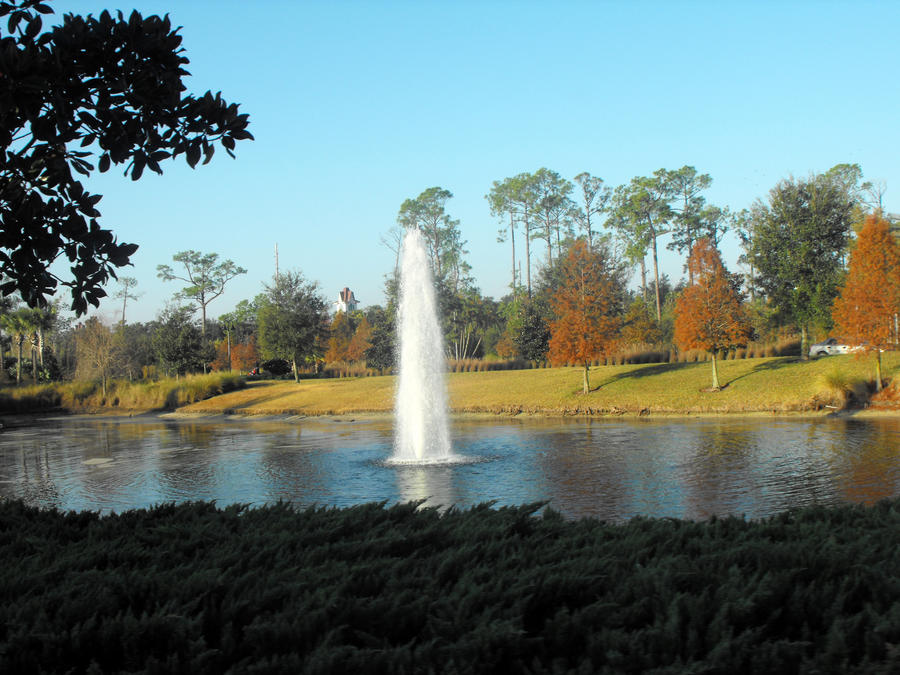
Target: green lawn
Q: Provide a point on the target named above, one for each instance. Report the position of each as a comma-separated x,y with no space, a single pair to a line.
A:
780,384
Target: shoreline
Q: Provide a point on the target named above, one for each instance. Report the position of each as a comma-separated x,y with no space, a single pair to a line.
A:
755,388
26,419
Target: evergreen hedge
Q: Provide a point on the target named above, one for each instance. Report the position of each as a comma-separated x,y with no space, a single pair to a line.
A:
197,589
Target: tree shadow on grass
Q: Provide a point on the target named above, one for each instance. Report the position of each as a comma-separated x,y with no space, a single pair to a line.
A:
655,369
660,368
767,366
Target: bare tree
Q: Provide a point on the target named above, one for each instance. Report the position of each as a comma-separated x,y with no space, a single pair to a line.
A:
124,293
96,351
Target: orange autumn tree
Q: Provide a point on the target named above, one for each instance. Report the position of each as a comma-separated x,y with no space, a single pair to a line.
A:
866,307
709,314
360,342
339,342
586,306
244,356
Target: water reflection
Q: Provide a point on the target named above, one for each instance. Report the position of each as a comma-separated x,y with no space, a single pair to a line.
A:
611,469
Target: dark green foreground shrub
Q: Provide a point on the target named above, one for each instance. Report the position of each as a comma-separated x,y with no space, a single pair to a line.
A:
196,589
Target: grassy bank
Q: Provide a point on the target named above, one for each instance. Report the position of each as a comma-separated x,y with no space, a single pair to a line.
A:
121,395
196,589
751,385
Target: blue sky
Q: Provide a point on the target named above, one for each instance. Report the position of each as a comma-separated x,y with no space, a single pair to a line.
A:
357,106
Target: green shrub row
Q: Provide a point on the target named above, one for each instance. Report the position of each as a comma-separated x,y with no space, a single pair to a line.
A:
637,354
375,589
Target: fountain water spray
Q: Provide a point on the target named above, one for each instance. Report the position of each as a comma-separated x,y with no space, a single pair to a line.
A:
421,431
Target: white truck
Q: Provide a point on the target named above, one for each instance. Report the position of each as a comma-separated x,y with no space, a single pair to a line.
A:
831,346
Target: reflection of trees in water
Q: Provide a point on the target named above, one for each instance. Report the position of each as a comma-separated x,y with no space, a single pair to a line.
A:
193,434
181,458
584,471
610,469
721,477
288,471
865,459
323,461
37,485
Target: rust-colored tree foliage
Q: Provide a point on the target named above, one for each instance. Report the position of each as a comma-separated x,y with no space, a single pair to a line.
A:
709,314
339,342
586,306
865,312
360,342
244,356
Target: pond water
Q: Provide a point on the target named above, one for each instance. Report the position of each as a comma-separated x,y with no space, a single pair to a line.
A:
612,469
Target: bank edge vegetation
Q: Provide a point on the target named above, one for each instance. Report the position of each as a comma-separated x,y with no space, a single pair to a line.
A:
375,589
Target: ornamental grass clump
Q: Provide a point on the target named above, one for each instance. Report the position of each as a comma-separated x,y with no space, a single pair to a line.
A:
838,389
142,395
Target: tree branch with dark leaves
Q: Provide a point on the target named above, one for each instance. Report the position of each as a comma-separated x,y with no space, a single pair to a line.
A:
105,87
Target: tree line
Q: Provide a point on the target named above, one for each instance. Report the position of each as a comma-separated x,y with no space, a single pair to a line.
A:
121,79
799,247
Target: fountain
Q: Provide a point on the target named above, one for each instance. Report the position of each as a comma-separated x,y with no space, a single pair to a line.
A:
421,432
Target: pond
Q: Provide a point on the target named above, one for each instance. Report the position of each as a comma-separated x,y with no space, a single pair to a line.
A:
612,469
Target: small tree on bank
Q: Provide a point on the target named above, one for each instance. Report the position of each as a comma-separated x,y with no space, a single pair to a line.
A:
586,306
205,277
97,350
178,342
292,321
867,305
709,314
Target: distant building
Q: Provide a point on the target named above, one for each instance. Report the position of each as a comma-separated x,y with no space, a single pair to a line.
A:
346,302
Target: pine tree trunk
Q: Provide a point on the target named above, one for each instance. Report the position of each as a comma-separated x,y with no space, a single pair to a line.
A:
656,282
296,370
528,254
512,239
643,280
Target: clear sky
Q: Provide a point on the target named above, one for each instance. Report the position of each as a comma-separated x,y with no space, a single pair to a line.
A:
357,106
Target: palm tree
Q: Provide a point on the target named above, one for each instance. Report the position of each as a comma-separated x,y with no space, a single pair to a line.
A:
18,324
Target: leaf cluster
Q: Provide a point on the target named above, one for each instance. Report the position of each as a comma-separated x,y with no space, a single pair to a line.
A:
799,239
194,588
105,86
292,320
587,307
869,300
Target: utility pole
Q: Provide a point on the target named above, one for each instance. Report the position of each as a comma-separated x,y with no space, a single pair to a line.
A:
276,262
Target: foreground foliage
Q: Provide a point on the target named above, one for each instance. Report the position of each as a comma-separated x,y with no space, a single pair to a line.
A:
196,589
105,86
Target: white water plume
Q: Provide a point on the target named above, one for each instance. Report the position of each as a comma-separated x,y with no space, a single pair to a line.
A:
421,432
